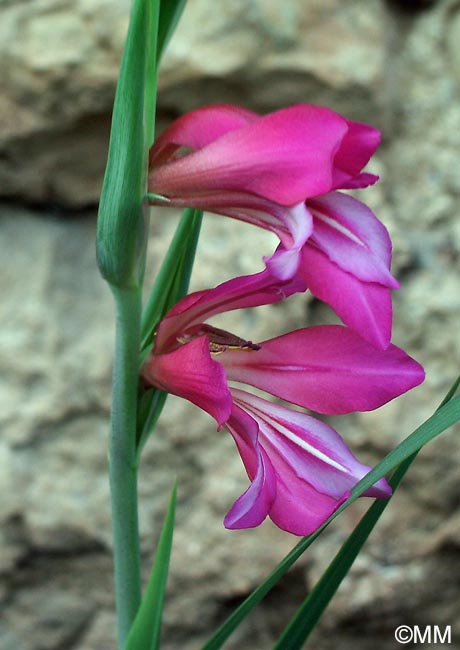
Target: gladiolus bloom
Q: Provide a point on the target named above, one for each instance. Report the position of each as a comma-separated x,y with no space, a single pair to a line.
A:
280,172
300,469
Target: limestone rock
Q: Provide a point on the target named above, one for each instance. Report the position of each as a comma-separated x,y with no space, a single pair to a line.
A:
57,334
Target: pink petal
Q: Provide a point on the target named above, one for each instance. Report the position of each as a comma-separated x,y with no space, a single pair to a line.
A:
301,512
199,128
292,224
356,149
328,369
285,157
246,291
352,237
312,450
284,263
359,182
253,506
292,504
364,306
191,373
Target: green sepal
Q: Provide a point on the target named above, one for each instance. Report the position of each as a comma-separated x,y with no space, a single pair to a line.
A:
158,197
444,418
123,210
146,629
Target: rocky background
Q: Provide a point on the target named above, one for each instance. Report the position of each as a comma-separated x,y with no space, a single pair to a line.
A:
394,64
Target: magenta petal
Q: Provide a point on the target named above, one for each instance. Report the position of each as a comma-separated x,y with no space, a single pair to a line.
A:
359,182
200,127
364,306
191,373
328,369
246,291
284,263
285,157
253,506
358,145
306,449
292,224
301,512
352,237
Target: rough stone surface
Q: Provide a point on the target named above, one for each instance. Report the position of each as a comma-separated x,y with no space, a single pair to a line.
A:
59,65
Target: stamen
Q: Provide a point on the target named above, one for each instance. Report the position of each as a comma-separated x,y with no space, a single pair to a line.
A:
219,340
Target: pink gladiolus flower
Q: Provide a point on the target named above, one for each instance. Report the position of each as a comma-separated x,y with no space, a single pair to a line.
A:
300,469
280,172
284,157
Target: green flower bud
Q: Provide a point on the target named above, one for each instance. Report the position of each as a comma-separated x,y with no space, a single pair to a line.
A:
122,221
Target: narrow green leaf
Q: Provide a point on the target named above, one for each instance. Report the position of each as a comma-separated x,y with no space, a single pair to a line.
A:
445,417
121,235
171,285
170,13
173,279
151,406
453,389
151,78
312,608
441,420
146,629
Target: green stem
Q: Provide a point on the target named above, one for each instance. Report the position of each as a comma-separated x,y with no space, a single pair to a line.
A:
122,460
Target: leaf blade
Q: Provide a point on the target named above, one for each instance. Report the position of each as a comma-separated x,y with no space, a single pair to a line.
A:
146,629
170,13
173,278
171,285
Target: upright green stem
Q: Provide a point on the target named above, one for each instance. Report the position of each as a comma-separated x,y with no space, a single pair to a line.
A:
122,460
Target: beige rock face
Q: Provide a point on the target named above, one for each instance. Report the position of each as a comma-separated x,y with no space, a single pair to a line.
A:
59,63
